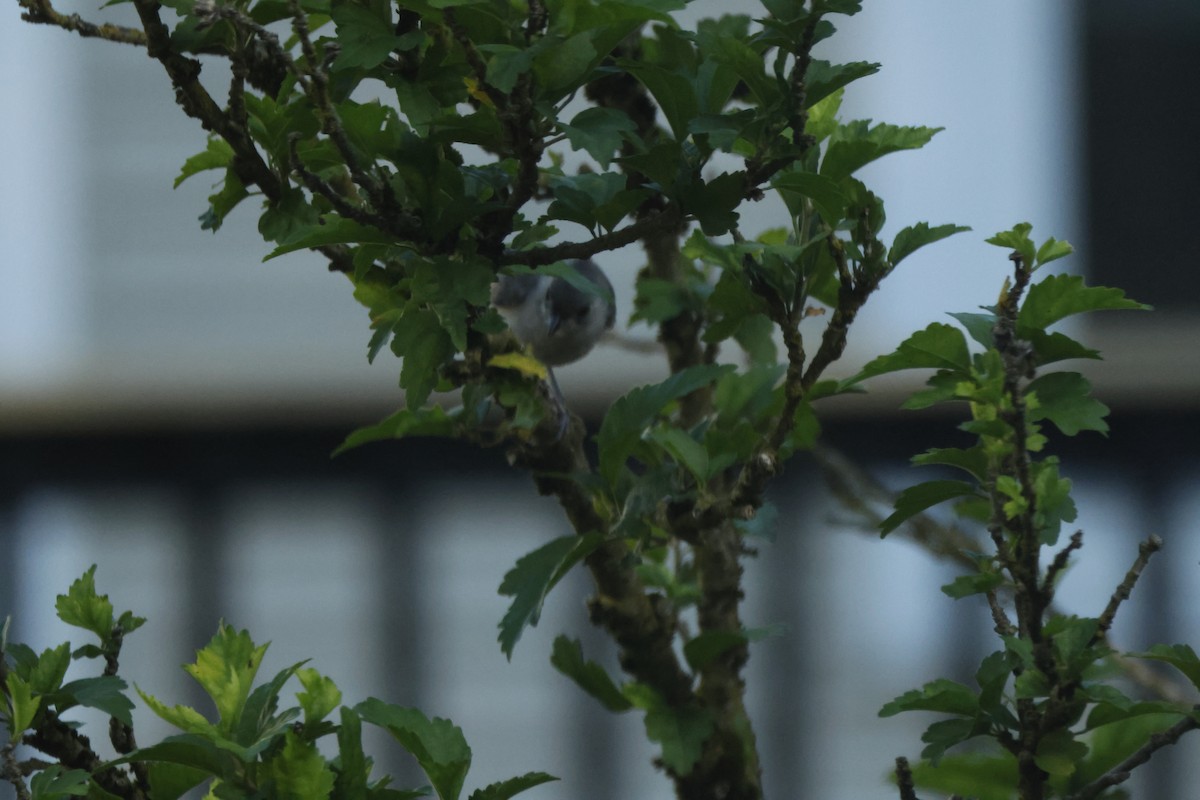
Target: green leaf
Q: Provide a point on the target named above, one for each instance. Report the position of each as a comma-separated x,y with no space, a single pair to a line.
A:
172,781
825,193
217,155
331,229
353,766
942,695
967,585
700,650
1058,753
1017,239
916,499
944,734
425,346
973,460
823,79
191,750
939,346
365,33
629,416
684,450
81,607
1051,250
1065,399
429,421
437,744
714,202
502,790
1051,347
22,705
984,777
599,131
225,669
534,575
567,658
856,144
320,696
1112,744
47,675
1181,656
106,693
681,731
298,771
1059,296
914,237
673,91
56,781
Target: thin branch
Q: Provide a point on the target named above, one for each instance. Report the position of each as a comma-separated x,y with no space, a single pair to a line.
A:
1003,625
904,779
43,13
1121,773
1145,550
538,256
1060,563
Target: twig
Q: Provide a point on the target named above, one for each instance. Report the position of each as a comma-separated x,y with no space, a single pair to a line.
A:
1004,626
1120,773
43,13
904,779
538,256
1060,563
1146,549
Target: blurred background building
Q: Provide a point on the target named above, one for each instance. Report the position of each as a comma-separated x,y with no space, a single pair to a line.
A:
168,404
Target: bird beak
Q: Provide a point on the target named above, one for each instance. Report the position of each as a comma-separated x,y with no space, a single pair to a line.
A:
553,321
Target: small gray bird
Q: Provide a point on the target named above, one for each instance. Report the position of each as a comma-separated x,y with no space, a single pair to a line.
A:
554,319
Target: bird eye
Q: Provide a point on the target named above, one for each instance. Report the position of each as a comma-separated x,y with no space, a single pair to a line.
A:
582,313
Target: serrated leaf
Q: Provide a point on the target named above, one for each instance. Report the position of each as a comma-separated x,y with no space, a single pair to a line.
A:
1059,296
503,790
1065,399
1059,753
1051,250
1181,656
366,37
567,658
914,237
978,776
684,450
22,705
939,346
320,696
218,154
942,695
822,79
299,771
967,585
1051,347
197,752
944,734
674,93
423,343
521,362
225,669
56,781
81,607
353,766
629,416
682,734
856,144
428,421
46,676
437,744
599,132
916,499
825,193
701,649
973,460
1017,239
532,578
331,229
105,692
